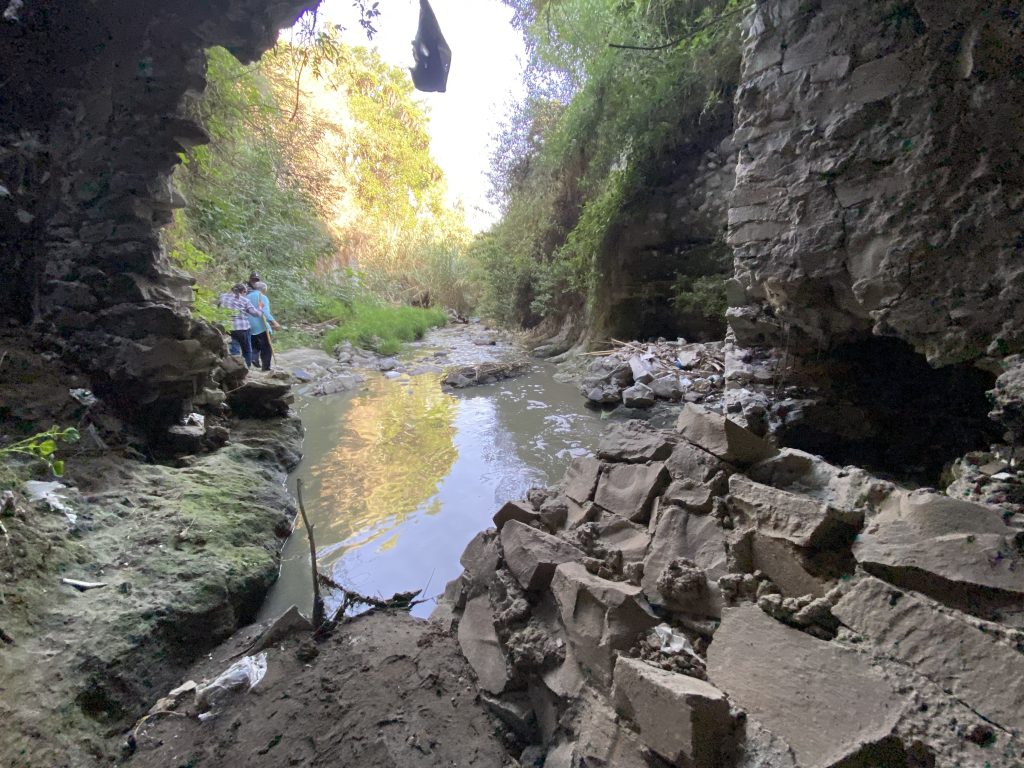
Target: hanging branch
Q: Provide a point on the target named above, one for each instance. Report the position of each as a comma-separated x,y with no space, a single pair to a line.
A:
687,36
318,601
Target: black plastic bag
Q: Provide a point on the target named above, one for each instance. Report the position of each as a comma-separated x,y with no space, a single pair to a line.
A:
431,53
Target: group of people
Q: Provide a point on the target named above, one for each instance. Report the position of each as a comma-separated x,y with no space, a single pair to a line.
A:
251,321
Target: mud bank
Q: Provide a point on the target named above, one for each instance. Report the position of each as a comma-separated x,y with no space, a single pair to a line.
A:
383,690
185,551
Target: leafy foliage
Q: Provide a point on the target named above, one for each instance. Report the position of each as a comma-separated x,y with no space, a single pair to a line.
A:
319,177
42,447
383,328
598,128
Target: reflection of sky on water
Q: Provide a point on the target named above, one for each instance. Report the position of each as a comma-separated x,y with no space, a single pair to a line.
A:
401,475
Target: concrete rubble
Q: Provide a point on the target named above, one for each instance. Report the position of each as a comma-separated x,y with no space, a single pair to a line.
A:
820,617
638,375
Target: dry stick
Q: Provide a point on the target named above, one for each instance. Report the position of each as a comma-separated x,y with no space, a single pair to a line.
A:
318,601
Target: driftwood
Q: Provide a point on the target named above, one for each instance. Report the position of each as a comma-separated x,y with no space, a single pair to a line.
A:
400,601
318,601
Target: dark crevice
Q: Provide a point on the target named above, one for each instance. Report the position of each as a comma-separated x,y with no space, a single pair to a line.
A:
882,407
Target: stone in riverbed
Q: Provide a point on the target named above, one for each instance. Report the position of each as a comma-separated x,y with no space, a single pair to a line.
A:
641,370
515,510
533,555
823,700
600,616
634,442
683,719
722,437
978,669
479,642
691,464
638,396
667,387
604,742
628,489
618,534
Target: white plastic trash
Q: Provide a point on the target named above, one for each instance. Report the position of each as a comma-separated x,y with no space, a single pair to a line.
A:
673,642
241,676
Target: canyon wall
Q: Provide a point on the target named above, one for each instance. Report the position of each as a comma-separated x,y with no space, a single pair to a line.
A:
93,115
879,182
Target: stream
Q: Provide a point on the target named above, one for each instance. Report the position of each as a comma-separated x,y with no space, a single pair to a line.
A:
400,474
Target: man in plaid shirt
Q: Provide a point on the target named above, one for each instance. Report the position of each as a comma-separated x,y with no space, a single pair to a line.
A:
240,329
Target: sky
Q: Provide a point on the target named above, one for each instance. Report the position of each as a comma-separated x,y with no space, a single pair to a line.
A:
485,76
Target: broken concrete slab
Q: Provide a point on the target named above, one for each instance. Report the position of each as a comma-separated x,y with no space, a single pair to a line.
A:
696,497
843,488
515,711
533,555
667,387
634,442
603,742
957,552
565,680
515,510
780,561
480,560
683,719
580,479
823,700
617,533
799,519
682,534
689,463
628,489
977,668
479,643
600,616
722,437
554,512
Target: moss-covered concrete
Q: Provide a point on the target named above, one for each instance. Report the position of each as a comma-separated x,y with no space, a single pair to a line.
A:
187,554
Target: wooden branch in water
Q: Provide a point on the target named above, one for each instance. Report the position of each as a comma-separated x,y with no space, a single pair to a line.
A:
318,601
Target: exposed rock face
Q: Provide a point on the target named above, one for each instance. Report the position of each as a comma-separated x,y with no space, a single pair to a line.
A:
878,189
676,230
90,131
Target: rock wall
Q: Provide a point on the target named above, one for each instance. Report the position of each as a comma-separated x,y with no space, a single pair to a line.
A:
880,180
93,114
677,228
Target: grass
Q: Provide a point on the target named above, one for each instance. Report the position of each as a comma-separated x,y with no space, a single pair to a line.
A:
383,327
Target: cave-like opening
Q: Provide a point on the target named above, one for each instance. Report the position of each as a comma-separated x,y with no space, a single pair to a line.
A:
883,407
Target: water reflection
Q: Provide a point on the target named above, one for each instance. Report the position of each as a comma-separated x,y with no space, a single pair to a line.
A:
400,476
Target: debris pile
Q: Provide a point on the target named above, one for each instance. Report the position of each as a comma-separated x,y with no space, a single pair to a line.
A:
698,597
638,375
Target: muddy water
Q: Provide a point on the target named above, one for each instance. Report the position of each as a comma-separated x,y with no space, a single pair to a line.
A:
401,474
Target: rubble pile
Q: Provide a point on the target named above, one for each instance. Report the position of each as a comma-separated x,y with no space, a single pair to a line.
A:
638,375
697,597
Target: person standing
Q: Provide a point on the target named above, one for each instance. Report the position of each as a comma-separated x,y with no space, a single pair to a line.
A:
261,326
242,311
